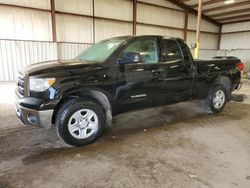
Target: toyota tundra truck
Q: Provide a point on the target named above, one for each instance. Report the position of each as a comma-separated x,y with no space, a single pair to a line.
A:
80,96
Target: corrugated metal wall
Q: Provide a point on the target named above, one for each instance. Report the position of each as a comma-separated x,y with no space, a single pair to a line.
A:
235,41
67,50
207,40
153,15
24,24
29,32
121,10
15,54
74,29
231,39
147,14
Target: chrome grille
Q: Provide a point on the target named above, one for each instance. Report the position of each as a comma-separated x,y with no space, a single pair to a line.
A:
20,84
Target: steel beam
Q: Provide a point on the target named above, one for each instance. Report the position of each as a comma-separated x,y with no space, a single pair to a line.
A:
186,25
53,20
134,16
219,38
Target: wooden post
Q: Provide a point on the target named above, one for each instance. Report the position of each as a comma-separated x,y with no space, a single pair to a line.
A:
198,27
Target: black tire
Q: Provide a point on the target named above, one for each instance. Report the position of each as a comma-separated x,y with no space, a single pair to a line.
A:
208,104
64,115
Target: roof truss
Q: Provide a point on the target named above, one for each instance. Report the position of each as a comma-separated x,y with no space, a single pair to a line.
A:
218,12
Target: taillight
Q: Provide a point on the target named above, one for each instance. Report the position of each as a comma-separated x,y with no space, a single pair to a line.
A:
240,66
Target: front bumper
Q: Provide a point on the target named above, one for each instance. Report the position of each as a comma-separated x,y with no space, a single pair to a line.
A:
34,117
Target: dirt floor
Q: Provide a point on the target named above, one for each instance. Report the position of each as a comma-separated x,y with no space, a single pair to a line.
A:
172,146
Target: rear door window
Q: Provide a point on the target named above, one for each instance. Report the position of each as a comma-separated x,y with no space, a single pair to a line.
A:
172,51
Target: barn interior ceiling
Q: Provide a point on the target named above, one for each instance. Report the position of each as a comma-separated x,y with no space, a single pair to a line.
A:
220,11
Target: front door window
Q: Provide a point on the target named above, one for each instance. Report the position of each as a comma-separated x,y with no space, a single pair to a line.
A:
146,48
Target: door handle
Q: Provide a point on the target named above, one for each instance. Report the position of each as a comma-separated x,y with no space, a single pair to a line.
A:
157,72
174,66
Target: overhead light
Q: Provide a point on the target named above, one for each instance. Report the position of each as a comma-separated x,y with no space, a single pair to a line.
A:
229,1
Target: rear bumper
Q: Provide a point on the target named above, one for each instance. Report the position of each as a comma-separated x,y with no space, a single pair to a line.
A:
238,87
34,117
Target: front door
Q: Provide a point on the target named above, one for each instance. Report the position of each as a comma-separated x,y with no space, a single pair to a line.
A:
139,85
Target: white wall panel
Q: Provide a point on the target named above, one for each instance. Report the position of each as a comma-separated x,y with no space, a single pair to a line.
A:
205,25
235,41
164,3
208,26
150,30
244,55
19,23
43,4
192,20
236,44
190,38
7,22
15,55
75,6
207,41
159,16
74,29
243,26
70,50
106,29
205,54
118,9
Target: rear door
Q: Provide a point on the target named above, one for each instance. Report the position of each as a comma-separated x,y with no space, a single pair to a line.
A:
177,71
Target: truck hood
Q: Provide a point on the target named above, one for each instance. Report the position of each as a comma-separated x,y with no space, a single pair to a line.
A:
60,66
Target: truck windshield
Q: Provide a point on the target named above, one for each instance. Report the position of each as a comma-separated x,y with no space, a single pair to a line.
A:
100,51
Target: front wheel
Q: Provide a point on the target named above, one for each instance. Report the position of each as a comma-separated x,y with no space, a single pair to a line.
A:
80,122
216,100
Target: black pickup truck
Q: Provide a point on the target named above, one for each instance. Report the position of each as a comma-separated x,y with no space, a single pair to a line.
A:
81,96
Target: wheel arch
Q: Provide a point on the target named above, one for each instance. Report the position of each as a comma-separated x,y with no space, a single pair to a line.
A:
98,96
225,82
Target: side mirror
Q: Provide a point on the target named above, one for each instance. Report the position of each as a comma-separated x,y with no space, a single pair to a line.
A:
130,57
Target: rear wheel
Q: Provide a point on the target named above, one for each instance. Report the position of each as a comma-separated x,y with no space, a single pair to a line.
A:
80,122
216,100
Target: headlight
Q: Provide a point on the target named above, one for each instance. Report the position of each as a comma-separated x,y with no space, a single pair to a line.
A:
41,84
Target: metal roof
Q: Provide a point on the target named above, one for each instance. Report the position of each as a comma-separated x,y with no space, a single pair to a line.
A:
219,11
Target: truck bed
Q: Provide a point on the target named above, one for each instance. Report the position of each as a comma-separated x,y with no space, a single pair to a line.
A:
218,60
